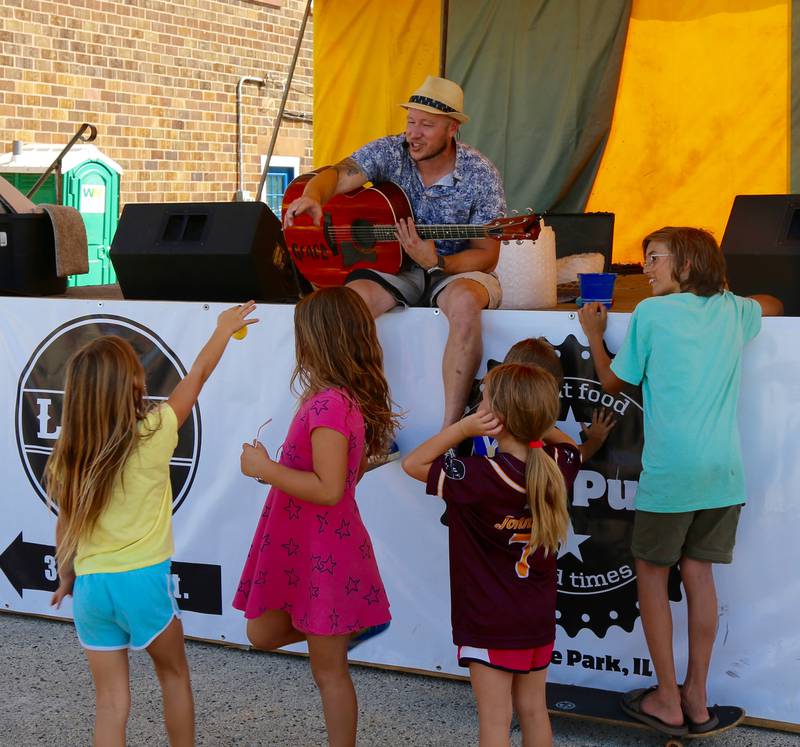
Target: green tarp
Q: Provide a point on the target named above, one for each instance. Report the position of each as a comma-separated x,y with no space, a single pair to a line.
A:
547,71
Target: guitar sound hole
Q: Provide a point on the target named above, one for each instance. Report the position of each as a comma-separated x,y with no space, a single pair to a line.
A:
363,235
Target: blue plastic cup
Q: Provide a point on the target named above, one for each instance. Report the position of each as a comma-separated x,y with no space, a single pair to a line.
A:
597,287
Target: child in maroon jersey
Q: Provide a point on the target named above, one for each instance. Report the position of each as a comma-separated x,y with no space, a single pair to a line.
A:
507,515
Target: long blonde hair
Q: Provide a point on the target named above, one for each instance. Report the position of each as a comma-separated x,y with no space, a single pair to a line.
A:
525,398
103,402
336,345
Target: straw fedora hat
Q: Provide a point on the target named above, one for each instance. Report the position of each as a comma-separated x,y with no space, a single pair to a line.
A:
439,96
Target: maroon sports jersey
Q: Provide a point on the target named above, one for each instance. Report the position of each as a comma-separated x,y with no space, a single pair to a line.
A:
501,595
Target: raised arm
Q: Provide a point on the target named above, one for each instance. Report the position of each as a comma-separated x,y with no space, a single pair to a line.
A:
345,176
188,389
418,463
593,318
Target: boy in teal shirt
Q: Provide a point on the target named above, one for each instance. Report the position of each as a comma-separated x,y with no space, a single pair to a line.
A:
684,346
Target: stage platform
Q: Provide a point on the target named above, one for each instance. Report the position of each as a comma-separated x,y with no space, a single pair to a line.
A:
628,291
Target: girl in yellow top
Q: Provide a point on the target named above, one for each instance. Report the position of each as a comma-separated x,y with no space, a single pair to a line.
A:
109,476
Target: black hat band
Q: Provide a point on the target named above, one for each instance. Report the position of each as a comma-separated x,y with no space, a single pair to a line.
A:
433,103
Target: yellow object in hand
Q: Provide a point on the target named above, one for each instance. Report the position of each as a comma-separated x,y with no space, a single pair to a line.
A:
240,334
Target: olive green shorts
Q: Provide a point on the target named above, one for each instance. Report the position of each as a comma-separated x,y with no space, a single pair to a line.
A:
708,535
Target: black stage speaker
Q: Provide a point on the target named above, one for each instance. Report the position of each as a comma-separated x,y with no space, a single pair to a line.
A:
203,251
28,256
762,248
581,233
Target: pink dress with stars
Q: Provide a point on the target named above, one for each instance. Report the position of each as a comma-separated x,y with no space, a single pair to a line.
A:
316,562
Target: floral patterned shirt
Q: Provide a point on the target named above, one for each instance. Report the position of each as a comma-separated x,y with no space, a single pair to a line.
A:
471,194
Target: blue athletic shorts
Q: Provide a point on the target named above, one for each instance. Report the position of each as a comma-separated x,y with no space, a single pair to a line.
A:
129,609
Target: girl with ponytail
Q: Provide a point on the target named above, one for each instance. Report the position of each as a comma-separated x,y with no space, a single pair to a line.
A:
507,516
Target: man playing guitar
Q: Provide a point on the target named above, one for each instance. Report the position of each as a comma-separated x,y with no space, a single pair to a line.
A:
446,182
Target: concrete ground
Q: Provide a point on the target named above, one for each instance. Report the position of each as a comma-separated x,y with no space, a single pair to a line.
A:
248,698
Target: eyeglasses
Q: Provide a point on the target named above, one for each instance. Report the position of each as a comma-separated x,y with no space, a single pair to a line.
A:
650,259
256,440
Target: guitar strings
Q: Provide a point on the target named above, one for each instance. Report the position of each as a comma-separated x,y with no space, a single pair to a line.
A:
426,232
386,232
358,231
424,228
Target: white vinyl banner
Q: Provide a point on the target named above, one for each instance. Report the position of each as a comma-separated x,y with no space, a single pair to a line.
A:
216,509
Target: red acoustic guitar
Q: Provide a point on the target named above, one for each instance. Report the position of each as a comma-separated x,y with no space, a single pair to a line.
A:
358,231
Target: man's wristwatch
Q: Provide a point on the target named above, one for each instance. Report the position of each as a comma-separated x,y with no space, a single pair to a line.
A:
439,264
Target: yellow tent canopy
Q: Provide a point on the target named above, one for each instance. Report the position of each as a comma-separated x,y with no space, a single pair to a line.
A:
703,109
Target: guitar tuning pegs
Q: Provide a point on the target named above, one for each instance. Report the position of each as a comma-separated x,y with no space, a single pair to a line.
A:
515,212
502,214
529,210
519,243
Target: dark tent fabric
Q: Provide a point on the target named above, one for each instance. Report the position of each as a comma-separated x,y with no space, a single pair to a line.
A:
547,71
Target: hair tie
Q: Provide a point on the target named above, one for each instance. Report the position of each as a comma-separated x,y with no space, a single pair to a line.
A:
536,444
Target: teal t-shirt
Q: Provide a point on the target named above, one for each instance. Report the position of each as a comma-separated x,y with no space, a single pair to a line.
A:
686,352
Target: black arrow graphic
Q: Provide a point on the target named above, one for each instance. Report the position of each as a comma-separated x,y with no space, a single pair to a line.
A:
28,565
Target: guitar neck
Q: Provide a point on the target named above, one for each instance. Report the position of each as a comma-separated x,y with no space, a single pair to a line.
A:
451,231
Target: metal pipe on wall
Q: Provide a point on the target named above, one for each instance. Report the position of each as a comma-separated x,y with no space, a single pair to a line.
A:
241,195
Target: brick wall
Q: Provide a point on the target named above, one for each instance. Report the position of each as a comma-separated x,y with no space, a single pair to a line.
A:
158,80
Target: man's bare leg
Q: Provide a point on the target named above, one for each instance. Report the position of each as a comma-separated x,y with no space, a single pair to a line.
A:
377,298
462,302
701,599
665,702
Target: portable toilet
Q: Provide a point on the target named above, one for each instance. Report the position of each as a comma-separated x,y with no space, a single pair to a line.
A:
89,182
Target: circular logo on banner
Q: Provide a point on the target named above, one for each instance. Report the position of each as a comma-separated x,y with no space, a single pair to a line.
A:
40,394
596,572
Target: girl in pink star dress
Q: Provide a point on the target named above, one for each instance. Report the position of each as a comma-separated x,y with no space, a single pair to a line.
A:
311,573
